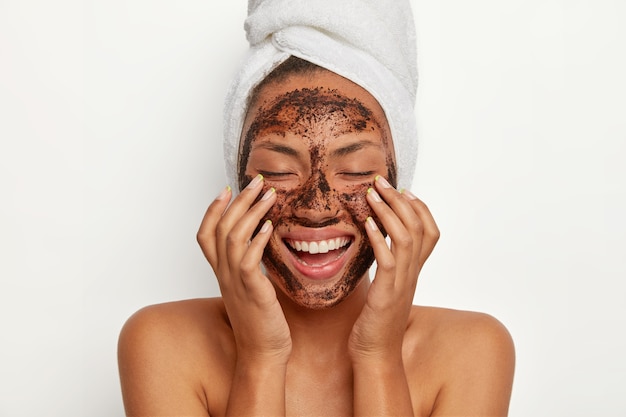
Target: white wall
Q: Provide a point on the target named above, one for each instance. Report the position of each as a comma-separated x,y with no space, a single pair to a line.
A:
110,126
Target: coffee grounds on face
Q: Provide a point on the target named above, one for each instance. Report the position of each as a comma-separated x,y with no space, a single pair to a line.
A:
304,112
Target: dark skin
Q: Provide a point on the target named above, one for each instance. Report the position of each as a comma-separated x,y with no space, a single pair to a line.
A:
260,349
306,114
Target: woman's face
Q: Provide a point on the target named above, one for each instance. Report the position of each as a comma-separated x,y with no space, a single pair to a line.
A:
319,140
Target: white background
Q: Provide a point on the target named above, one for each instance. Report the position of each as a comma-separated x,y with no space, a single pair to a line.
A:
110,150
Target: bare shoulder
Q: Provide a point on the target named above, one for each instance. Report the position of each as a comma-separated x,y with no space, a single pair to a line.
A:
471,356
171,353
195,314
174,326
458,330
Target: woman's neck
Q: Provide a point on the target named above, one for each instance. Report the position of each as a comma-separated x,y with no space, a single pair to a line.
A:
324,331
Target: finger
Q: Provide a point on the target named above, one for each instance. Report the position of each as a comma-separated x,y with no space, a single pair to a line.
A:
206,232
400,206
240,205
239,236
385,261
431,231
402,241
415,216
254,282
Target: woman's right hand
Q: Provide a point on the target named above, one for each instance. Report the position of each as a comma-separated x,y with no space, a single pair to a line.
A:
226,238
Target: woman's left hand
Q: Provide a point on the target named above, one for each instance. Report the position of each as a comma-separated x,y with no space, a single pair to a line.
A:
379,330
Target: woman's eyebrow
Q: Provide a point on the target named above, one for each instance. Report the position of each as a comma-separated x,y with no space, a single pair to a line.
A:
353,147
284,149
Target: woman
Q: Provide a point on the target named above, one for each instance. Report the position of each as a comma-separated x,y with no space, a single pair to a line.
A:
300,329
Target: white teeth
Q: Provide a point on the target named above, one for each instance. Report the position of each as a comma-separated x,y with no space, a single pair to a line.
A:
313,248
322,246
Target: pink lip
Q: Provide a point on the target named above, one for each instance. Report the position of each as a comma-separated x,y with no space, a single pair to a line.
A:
318,272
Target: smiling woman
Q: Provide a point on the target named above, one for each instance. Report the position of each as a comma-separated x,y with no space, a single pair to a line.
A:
321,151
300,328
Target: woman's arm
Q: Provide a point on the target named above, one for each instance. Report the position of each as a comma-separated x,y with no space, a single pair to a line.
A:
380,382
260,330
380,388
258,388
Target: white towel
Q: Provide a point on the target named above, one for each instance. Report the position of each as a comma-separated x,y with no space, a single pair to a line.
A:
370,42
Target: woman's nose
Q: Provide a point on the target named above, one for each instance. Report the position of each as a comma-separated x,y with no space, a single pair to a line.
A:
314,201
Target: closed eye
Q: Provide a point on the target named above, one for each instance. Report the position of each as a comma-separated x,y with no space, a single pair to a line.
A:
275,175
358,174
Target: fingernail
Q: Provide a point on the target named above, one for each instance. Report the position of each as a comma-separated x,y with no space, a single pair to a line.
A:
371,223
408,194
382,181
268,194
266,226
374,195
224,193
256,181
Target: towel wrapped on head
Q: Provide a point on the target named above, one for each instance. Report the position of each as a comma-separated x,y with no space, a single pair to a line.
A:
370,42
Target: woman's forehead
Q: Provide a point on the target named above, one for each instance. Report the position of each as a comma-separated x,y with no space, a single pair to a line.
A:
313,111
314,95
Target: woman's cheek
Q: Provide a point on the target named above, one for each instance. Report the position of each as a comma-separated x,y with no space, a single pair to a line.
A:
277,211
355,203
359,209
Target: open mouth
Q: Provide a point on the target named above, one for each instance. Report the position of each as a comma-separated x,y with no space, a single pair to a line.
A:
318,253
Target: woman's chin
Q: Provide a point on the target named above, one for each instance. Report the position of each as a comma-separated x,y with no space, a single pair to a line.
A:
319,294
319,281
317,298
